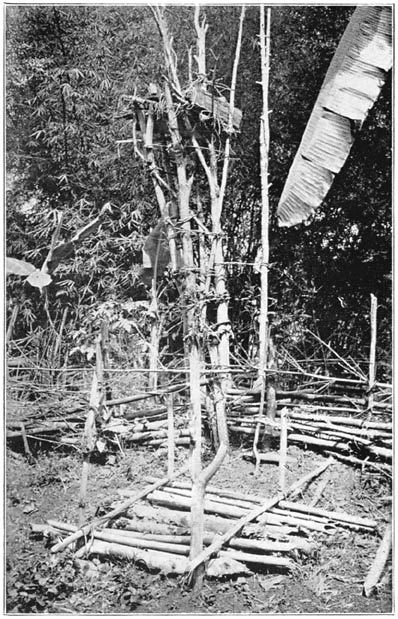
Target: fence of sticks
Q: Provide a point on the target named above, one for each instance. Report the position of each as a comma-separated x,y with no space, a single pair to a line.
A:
340,416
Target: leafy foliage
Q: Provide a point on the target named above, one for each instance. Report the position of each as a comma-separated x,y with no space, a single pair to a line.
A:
36,588
70,71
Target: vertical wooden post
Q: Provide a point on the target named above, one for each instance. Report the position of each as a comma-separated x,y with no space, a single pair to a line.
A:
265,37
283,451
372,352
90,431
264,155
170,436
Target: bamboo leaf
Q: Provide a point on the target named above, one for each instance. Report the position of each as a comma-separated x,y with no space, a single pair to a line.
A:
351,86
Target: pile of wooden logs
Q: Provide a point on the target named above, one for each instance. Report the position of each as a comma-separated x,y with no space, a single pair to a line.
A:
335,423
146,426
159,534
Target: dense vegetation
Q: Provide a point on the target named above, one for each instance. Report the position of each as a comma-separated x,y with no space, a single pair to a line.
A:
69,71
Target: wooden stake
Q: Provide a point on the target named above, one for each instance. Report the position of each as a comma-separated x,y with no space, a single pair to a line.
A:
379,562
90,434
283,451
170,436
372,352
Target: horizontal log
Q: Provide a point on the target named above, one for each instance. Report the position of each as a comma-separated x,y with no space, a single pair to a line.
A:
381,467
153,528
236,542
150,394
180,545
350,421
217,524
184,502
286,505
244,557
319,442
180,442
149,426
149,412
45,428
365,523
168,563
383,452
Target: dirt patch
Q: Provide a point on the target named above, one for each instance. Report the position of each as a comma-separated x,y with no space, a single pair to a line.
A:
329,582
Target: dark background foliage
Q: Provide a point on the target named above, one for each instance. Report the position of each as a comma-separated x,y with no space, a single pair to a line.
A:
69,71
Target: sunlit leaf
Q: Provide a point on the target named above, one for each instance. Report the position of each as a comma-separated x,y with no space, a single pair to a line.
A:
39,279
18,267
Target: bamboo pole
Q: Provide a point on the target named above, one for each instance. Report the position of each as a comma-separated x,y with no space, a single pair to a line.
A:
372,352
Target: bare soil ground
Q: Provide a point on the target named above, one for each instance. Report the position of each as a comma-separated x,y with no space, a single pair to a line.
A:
329,582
